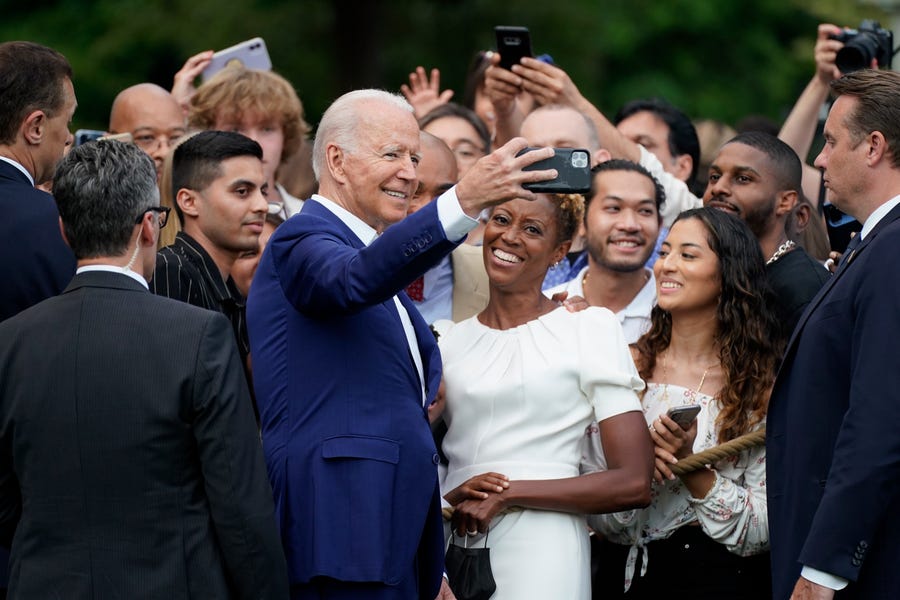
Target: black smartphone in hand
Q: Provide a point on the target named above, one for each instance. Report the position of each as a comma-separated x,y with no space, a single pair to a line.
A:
573,167
684,415
513,43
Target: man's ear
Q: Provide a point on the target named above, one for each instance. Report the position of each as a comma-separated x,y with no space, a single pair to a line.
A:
785,202
600,156
148,234
682,167
188,201
33,127
335,162
877,148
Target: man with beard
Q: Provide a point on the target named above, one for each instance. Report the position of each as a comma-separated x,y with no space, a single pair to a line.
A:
220,199
622,222
756,177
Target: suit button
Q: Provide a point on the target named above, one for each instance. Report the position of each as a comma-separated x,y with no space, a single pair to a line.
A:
420,243
435,459
855,562
863,545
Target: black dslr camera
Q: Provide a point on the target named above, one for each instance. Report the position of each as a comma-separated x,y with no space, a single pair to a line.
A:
862,45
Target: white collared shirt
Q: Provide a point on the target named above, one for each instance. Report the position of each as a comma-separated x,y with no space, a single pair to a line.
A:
877,215
634,318
113,269
456,225
19,167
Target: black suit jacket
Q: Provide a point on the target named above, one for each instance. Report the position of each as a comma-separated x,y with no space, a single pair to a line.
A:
833,447
36,262
128,445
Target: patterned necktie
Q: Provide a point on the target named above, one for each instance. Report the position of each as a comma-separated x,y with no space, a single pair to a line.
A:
416,290
850,250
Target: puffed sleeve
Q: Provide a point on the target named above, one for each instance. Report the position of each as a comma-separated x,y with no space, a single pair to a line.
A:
609,378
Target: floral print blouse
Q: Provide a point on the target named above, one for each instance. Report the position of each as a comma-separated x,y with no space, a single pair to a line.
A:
733,513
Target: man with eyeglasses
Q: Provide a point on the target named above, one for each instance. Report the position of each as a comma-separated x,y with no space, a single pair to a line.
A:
131,465
152,117
220,198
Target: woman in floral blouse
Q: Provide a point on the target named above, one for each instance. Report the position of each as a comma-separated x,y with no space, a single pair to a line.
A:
705,534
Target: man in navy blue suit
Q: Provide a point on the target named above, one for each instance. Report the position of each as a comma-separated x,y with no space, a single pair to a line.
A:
344,366
833,450
37,102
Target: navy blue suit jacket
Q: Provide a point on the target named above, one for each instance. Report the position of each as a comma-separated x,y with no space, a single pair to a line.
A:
36,263
346,437
833,446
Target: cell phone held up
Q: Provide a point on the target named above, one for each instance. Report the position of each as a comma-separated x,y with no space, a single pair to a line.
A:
684,415
251,54
513,43
573,168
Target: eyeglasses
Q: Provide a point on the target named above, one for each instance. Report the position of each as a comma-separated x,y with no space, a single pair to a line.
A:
162,215
150,142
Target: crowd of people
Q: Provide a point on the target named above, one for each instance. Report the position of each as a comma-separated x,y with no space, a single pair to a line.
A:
374,364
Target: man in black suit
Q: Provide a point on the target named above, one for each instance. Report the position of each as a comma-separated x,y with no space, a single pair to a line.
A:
130,464
833,451
37,102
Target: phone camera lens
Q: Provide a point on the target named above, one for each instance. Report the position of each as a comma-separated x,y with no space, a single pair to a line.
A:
579,160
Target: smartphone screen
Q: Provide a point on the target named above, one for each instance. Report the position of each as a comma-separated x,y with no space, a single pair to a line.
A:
513,43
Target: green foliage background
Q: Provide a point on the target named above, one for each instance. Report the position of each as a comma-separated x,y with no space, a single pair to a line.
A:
720,60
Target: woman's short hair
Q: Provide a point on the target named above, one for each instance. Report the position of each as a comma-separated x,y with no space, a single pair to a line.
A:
569,213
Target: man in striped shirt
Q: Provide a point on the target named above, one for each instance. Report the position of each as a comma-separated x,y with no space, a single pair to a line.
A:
220,199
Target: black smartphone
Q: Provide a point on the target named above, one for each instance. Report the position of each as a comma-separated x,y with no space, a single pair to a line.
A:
573,168
512,43
684,415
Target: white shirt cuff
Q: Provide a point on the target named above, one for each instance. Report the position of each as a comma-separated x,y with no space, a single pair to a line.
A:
824,579
455,222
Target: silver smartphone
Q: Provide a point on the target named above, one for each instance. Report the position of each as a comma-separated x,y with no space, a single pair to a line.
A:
251,54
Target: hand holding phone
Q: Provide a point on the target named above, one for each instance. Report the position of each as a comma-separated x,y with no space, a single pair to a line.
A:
684,415
573,167
513,43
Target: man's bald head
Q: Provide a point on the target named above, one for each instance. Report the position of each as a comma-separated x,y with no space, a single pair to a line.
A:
151,115
437,171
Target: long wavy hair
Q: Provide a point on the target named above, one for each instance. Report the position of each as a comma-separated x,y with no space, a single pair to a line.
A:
746,333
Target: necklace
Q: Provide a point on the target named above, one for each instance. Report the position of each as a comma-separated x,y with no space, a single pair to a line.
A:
694,392
782,250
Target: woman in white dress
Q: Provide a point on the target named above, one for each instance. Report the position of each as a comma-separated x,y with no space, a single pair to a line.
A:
713,343
524,379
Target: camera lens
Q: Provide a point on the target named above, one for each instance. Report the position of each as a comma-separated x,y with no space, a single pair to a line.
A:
857,53
579,160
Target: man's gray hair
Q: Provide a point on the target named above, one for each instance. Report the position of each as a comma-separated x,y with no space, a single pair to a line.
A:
101,189
340,122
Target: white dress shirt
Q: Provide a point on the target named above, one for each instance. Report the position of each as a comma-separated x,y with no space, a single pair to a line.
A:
456,225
